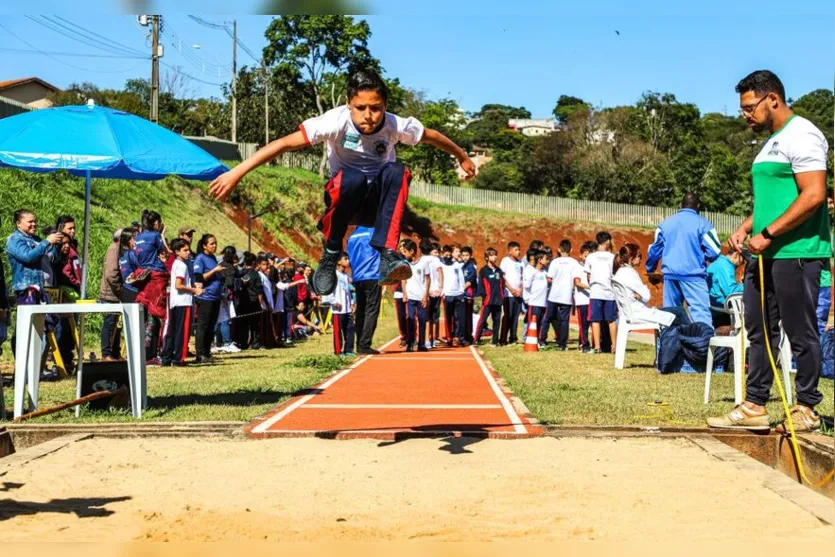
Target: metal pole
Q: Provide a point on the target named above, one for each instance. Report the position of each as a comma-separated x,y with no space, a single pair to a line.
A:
266,107
85,254
234,80
249,232
155,69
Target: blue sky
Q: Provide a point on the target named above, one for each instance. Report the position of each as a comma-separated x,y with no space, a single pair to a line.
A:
524,54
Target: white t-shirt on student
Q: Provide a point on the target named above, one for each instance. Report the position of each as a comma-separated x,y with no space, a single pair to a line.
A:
453,279
341,296
512,270
349,148
581,295
416,284
267,286
599,267
435,266
536,287
526,275
176,298
562,271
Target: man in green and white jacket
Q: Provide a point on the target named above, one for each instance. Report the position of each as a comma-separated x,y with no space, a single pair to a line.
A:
790,231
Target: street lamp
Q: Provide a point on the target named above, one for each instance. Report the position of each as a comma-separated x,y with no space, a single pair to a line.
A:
753,143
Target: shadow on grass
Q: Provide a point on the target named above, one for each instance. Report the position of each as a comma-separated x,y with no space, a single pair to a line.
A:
235,398
82,507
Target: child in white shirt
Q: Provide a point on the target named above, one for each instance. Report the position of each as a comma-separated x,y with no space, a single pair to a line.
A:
178,322
604,311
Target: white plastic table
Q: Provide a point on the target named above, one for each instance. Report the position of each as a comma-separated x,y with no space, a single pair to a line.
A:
29,347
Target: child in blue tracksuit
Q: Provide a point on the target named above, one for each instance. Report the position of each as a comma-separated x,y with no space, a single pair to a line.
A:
470,287
721,283
491,287
684,242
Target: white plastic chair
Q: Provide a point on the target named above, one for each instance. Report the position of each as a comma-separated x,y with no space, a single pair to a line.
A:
627,322
738,343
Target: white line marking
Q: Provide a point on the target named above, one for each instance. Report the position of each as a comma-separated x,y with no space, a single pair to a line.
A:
396,431
403,406
413,358
518,425
269,422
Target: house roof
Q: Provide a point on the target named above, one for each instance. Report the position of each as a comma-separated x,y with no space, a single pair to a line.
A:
24,80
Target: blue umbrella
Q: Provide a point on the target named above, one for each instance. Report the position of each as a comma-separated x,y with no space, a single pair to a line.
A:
98,142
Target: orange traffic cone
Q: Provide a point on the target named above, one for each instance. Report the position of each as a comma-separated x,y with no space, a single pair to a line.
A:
531,337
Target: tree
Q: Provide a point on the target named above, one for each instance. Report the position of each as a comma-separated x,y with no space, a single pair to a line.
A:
499,176
818,106
566,106
317,49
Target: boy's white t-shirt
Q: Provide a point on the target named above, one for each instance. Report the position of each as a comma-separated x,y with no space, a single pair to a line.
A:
176,298
416,284
513,271
536,287
562,272
267,286
599,267
342,294
526,275
581,295
435,266
453,279
349,148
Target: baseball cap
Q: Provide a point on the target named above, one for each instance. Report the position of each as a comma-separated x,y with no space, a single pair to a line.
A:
185,230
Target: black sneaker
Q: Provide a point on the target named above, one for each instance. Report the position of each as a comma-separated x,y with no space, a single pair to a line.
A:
372,351
393,268
324,279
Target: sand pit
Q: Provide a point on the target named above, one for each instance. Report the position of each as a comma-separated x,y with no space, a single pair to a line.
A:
463,490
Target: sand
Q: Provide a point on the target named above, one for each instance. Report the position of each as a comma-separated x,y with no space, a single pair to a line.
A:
418,489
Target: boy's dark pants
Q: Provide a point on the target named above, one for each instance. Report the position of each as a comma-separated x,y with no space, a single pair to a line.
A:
495,314
455,316
416,319
177,335
583,325
380,202
369,295
343,333
400,307
510,320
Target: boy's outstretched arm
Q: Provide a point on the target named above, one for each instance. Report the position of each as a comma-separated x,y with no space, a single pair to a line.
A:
226,182
439,141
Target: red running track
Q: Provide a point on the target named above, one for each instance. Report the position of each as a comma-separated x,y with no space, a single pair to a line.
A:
446,391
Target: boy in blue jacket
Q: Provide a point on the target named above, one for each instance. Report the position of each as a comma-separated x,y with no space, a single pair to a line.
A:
686,242
721,281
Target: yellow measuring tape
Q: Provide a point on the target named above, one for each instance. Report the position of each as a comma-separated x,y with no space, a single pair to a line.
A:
780,388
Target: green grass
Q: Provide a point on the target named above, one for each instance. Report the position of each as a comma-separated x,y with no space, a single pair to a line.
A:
571,388
242,387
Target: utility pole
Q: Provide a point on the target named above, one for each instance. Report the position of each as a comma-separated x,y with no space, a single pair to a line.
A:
155,69
234,80
266,106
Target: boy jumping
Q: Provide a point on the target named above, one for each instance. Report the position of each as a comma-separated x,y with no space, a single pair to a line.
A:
366,184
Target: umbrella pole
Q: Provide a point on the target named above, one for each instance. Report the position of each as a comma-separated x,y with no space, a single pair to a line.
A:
84,274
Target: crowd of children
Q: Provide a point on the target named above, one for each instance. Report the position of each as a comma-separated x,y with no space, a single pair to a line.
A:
539,285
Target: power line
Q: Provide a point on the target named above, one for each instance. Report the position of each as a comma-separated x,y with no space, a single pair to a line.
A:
244,47
73,54
175,68
39,51
224,27
208,24
190,56
94,36
83,40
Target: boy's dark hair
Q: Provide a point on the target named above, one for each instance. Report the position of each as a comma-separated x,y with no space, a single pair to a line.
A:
603,237
446,248
177,244
425,246
548,250
124,240
588,246
436,245
467,249
565,246
536,245
511,245
691,200
261,258
539,255
762,82
409,245
249,259
62,220
489,252
149,218
532,254
49,230
20,213
229,254
367,80
343,255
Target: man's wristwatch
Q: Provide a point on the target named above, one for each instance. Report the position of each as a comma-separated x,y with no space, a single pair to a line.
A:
766,234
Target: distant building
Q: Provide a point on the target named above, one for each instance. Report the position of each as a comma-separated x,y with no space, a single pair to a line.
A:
479,155
31,91
533,127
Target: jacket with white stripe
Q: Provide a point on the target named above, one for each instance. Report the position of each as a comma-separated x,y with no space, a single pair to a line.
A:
685,243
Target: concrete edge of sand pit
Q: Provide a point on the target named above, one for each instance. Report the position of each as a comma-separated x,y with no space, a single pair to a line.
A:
810,501
41,450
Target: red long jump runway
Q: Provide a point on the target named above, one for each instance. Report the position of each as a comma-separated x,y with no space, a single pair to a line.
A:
446,391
